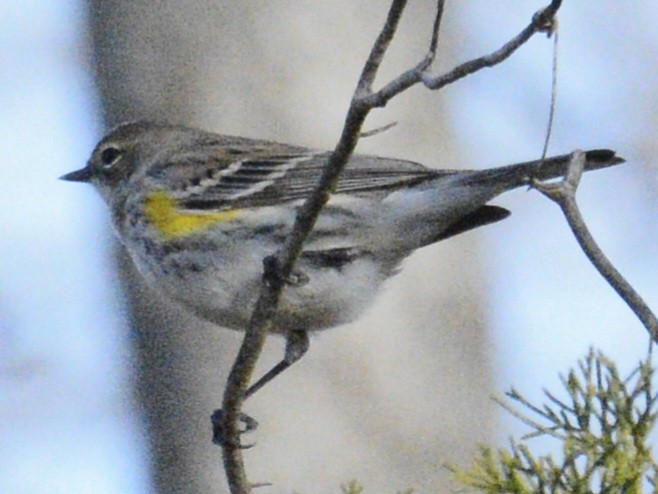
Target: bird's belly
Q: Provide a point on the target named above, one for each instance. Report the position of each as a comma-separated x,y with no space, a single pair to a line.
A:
222,286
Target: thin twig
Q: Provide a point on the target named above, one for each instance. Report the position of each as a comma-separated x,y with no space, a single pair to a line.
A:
555,32
420,73
383,41
436,29
538,428
564,194
541,21
378,130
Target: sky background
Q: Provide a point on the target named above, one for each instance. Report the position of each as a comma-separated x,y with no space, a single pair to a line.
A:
63,343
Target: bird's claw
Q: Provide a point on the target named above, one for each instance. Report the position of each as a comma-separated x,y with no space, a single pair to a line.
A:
272,273
218,419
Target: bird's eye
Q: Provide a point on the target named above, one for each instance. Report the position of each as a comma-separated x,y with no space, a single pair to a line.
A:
110,156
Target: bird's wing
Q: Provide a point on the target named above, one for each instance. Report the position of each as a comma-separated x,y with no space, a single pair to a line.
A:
244,175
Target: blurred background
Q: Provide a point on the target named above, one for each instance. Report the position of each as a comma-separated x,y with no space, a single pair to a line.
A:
104,388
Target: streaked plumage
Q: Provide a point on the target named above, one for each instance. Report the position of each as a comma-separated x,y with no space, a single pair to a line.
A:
199,212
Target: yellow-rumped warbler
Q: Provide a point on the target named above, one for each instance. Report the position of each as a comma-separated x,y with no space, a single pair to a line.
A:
198,213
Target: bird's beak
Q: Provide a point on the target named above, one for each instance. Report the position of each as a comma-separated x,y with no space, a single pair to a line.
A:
82,175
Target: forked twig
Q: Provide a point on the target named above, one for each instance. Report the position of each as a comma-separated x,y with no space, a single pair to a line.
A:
541,22
564,194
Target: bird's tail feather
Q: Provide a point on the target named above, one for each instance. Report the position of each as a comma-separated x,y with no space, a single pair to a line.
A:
555,167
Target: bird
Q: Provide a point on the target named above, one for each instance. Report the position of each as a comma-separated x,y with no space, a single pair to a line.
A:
198,212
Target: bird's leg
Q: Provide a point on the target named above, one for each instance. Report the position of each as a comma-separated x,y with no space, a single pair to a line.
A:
297,344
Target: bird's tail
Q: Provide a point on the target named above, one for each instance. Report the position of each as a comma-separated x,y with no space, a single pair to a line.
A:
555,167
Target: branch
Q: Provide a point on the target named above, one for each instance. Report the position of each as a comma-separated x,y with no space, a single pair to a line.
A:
564,194
279,267
262,318
542,21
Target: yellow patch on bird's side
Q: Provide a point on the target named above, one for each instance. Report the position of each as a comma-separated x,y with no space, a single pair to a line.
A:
161,210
